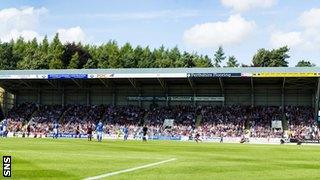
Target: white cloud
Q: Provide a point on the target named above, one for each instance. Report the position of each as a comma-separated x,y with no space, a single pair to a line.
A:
244,5
24,22
290,39
308,38
213,34
310,19
20,22
74,34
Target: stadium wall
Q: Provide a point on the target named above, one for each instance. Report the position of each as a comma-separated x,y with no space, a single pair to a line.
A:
234,94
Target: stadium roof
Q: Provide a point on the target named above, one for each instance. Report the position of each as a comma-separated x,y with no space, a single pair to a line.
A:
20,80
167,70
162,73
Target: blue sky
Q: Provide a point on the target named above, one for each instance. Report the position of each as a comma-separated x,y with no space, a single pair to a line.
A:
240,26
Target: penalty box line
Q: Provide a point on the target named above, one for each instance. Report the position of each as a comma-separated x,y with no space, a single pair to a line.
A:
128,170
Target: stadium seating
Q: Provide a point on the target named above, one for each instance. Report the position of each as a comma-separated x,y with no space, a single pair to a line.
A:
217,121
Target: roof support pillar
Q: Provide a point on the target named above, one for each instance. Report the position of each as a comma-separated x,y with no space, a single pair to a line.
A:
252,93
192,84
222,91
283,95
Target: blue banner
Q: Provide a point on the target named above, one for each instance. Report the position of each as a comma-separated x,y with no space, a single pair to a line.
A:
67,76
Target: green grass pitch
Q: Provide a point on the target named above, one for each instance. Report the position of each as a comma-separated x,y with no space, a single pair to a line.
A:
78,159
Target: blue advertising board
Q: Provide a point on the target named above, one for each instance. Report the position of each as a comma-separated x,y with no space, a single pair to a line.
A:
67,76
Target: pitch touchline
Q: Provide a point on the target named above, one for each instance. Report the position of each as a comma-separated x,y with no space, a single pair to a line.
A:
128,170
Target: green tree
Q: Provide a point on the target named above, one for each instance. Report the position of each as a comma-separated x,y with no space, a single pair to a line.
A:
91,64
187,60
162,58
273,58
19,48
219,57
146,59
102,57
44,46
55,63
165,62
261,58
21,54
137,54
56,50
93,51
202,61
174,55
127,56
113,55
232,62
70,49
8,61
74,62
279,56
34,58
304,63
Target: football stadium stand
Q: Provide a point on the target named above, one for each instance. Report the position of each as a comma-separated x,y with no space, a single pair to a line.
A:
215,102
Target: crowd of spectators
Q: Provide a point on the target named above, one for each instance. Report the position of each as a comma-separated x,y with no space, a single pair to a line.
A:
22,112
214,121
82,113
304,131
122,115
300,115
47,113
182,115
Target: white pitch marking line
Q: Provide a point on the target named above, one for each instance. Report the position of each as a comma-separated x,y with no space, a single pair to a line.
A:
128,170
